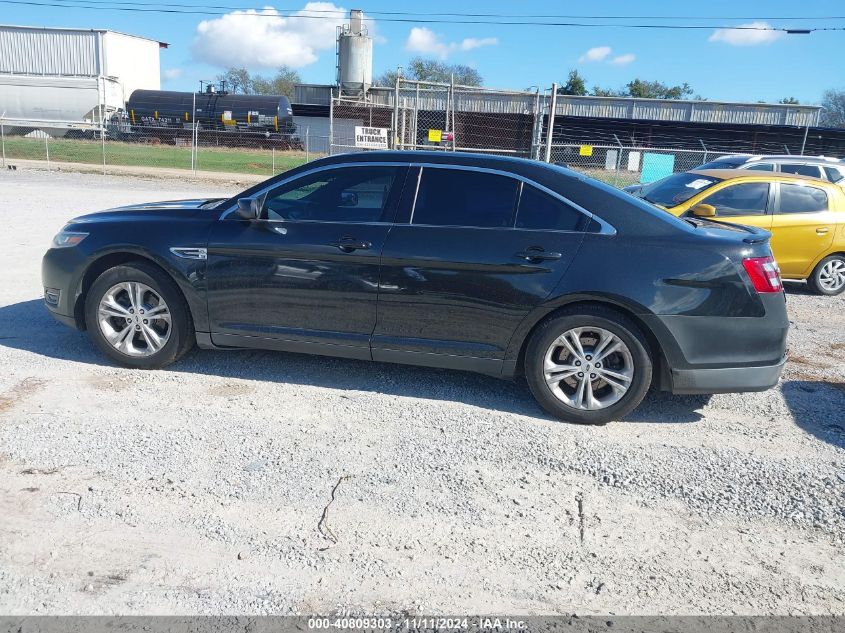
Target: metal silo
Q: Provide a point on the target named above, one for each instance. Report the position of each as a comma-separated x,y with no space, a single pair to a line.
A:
354,55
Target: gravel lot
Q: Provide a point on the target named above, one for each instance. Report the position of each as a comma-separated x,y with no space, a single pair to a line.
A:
200,489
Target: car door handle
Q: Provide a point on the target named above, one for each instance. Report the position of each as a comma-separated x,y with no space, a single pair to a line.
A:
537,255
349,244
822,230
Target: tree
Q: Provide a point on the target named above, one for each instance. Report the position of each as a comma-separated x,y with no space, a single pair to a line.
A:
598,91
643,89
281,84
575,85
657,90
237,80
420,69
789,101
833,114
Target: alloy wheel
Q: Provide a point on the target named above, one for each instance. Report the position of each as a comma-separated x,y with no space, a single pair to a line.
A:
134,319
832,275
588,368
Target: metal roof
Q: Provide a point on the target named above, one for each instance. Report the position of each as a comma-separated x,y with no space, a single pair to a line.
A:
688,110
79,30
436,97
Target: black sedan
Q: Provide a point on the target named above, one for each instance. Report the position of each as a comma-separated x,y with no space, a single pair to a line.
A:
496,265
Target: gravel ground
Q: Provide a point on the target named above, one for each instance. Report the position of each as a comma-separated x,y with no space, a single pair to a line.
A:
259,482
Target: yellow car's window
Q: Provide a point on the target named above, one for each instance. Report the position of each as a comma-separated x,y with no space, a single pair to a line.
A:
744,198
802,199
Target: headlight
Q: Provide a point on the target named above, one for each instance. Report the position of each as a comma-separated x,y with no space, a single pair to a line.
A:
64,239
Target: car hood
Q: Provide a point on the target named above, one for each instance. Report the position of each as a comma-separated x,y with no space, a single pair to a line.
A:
180,208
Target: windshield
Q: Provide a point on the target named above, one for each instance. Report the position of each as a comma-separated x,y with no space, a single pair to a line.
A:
676,189
724,163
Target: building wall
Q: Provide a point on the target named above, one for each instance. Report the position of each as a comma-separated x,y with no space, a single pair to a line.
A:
43,51
135,61
66,74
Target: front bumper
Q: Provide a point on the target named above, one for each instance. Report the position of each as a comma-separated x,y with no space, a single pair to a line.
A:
726,379
60,274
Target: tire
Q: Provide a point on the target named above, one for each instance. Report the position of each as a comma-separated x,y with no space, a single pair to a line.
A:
147,343
631,365
828,278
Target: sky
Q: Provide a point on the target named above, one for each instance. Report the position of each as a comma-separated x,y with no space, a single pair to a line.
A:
719,65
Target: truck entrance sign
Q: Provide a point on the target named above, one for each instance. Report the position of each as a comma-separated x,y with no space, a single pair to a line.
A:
371,137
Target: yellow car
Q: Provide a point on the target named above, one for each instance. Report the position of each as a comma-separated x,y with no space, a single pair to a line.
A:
806,216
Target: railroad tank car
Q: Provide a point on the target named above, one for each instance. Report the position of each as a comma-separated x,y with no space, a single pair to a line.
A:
214,111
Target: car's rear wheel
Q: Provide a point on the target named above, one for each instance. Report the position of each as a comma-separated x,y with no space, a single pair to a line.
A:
588,366
828,278
138,317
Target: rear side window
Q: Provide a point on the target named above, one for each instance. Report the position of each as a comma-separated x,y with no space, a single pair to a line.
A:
801,170
539,210
744,198
802,199
835,174
458,197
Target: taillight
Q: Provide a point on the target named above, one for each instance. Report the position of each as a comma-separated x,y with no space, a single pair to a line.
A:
764,273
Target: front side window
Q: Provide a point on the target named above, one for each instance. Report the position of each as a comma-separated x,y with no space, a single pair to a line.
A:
347,194
744,198
459,197
802,199
802,170
539,210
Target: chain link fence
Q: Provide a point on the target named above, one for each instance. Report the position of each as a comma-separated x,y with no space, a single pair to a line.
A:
412,115
114,149
418,115
620,165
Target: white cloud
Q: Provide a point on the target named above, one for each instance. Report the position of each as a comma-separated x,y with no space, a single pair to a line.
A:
623,60
746,37
595,54
473,42
265,39
427,42
172,74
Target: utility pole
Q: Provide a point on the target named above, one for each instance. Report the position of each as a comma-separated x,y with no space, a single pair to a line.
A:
550,131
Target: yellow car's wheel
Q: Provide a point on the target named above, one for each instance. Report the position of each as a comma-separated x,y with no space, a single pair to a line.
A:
829,276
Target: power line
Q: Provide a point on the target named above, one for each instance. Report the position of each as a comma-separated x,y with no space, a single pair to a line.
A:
343,13
428,20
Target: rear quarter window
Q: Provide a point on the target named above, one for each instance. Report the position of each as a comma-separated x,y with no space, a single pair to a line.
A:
835,174
539,210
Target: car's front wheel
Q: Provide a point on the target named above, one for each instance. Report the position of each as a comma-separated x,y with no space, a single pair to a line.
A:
138,317
828,278
589,366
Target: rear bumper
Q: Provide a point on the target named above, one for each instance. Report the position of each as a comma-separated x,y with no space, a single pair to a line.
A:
726,379
723,354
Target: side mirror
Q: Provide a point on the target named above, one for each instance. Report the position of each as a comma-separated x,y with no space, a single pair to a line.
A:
704,211
249,208
348,199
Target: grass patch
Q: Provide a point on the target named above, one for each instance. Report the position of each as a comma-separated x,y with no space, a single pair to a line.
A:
224,159
617,179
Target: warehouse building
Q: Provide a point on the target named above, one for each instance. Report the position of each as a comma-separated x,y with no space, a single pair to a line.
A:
50,76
